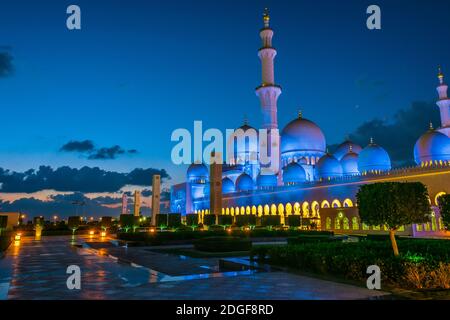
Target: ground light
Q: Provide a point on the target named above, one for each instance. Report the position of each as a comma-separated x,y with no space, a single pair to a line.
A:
17,236
103,234
91,233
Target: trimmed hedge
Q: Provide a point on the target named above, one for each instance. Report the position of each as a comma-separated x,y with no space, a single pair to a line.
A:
223,244
421,264
312,239
209,219
192,219
5,241
174,220
225,220
245,220
270,221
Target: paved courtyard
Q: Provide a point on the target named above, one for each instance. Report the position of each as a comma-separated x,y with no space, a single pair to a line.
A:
36,269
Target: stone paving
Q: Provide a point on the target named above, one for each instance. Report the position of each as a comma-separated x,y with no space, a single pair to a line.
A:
37,270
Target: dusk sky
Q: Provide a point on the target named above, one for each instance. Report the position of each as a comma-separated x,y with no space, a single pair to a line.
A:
137,70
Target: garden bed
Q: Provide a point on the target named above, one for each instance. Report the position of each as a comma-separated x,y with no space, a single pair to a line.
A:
422,264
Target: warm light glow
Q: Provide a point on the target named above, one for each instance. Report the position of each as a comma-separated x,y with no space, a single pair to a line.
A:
103,234
152,230
91,233
17,237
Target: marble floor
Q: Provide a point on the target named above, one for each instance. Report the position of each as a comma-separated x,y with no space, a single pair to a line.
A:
36,269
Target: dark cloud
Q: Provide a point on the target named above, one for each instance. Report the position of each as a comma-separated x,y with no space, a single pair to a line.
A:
106,153
6,65
78,146
399,135
85,179
87,147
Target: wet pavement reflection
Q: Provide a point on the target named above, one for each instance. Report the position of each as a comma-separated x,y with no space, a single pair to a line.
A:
36,269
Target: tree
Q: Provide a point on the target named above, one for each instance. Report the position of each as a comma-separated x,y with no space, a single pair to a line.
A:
444,209
393,204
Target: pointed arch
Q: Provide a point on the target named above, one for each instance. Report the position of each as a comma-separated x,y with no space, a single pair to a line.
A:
436,198
288,209
325,204
336,203
297,208
348,203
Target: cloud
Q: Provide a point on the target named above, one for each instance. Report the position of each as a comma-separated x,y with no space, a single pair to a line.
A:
66,179
398,136
78,146
87,147
107,153
6,65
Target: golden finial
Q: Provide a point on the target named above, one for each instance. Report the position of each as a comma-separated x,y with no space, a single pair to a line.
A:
431,126
440,75
266,17
371,140
300,114
350,148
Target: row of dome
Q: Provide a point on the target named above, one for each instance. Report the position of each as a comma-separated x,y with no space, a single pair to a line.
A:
349,159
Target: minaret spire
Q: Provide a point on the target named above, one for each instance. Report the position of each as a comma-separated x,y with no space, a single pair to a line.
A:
268,93
443,104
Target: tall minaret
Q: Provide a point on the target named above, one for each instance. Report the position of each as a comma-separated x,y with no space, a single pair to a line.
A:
268,93
443,104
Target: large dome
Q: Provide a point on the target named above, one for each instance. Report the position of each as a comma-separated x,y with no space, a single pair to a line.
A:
267,180
244,183
293,173
432,146
302,135
373,158
197,171
345,147
227,185
349,164
329,167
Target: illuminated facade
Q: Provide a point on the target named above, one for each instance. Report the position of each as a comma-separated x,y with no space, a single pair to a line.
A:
314,184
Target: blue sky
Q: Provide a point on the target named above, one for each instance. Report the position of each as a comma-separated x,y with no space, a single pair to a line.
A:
140,69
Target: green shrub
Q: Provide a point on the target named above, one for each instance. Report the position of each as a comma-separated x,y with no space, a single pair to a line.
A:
350,260
245,220
5,240
225,220
192,219
293,221
270,221
302,239
223,244
172,220
209,219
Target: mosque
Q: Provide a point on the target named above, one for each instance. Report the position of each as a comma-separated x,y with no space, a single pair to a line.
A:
314,184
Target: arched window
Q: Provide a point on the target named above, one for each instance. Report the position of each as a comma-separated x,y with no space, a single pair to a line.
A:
305,209
288,209
248,210
419,227
237,211
260,210
273,209
232,211
254,210
266,210
436,199
325,204
280,209
377,228
328,223
315,209
441,223
296,208
346,223
337,223
427,226
355,223
348,203
223,211
336,203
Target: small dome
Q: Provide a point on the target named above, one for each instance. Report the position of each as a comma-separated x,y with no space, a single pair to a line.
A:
345,147
349,164
245,148
329,167
244,183
302,135
293,173
267,180
197,171
432,146
373,157
227,185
